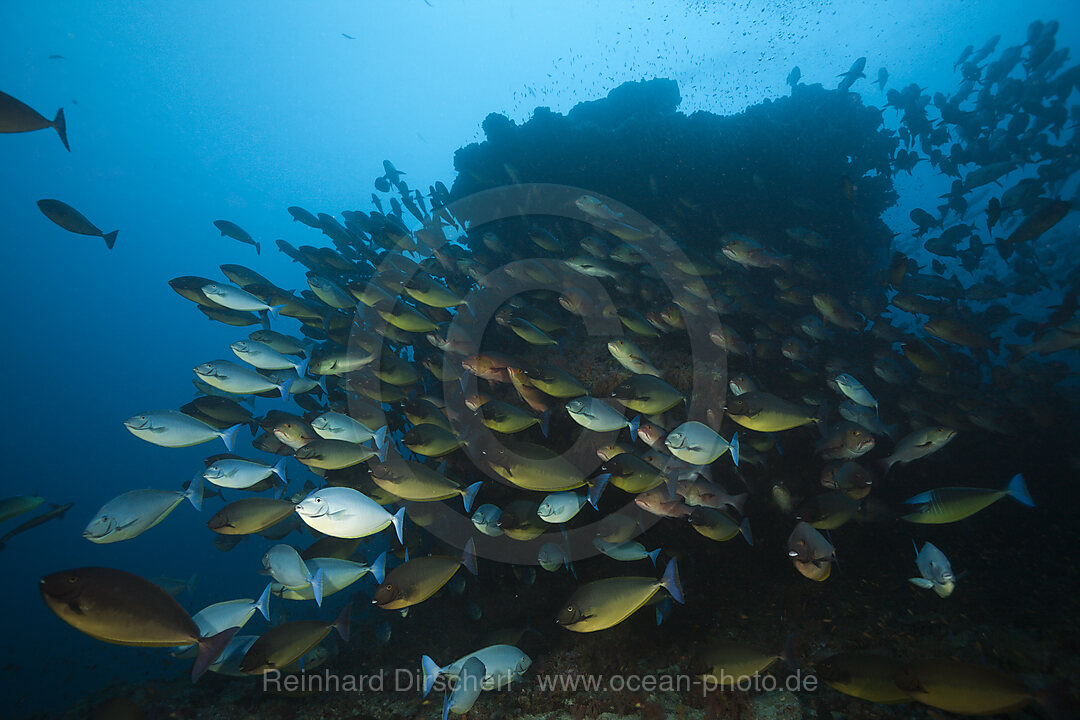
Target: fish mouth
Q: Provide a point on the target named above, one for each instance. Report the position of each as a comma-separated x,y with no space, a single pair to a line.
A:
304,512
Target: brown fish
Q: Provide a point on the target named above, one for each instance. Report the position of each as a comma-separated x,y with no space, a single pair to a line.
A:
124,609
420,578
284,644
963,688
863,675
659,502
250,515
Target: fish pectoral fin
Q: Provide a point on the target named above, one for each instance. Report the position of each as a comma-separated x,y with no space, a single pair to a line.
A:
75,607
156,429
922,583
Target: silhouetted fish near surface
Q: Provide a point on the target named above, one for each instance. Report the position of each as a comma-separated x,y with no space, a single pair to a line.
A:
74,221
231,229
18,117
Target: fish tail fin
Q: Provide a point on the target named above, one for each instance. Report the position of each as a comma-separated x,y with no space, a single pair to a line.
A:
1017,488
670,582
279,469
263,604
378,568
399,525
545,422
653,555
671,483
597,489
744,528
209,650
110,239
194,492
470,494
60,126
380,440
258,248
662,610
317,586
192,582
787,653
733,446
634,425
341,622
431,673
283,388
273,310
301,367
468,556
228,436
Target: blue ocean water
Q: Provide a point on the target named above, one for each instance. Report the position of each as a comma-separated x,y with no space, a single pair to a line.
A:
179,115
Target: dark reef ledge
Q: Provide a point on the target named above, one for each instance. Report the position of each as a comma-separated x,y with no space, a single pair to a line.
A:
817,158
